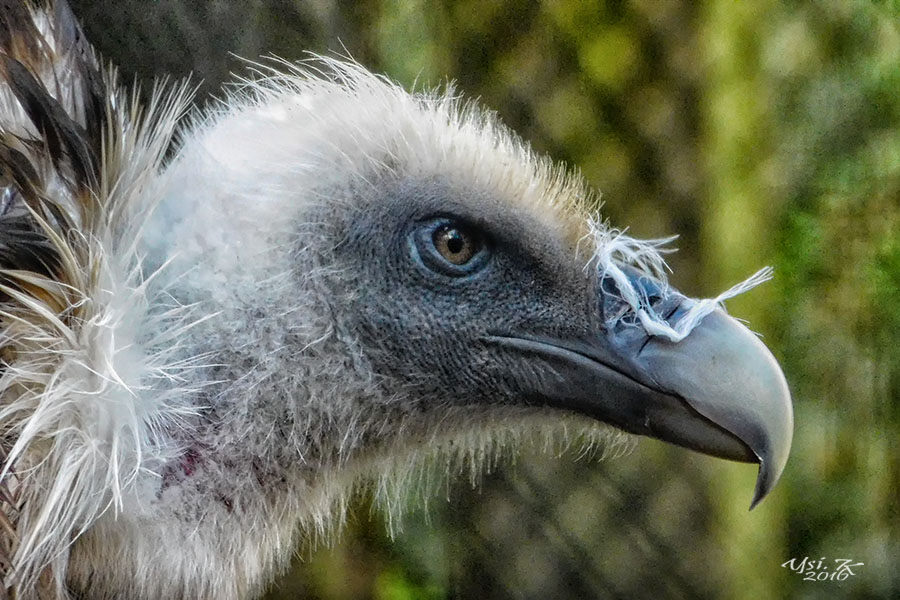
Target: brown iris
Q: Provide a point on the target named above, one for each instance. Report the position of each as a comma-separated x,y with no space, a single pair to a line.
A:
455,244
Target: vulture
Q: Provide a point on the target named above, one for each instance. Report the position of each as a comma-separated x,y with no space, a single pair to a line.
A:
216,324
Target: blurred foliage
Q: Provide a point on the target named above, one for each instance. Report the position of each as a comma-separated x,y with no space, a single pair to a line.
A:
762,133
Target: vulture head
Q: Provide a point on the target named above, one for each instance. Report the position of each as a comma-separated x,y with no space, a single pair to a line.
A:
214,327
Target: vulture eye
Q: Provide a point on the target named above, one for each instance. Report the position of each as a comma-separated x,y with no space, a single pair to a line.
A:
449,247
454,244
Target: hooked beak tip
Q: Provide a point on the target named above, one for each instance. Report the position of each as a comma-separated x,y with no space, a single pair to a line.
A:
765,481
725,373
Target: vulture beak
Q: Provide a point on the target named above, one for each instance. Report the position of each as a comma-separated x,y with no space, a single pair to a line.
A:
718,391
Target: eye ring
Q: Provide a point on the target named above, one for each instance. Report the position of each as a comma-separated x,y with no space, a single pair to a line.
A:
450,247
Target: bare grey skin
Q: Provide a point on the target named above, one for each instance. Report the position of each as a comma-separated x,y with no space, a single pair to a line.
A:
332,283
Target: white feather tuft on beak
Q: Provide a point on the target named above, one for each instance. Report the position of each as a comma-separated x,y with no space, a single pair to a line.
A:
614,249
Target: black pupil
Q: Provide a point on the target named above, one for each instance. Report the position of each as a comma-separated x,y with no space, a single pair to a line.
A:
455,241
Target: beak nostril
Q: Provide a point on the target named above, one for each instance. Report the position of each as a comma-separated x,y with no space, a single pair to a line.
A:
608,286
613,306
645,293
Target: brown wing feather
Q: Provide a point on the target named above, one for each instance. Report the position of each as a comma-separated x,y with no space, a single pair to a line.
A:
52,118
53,112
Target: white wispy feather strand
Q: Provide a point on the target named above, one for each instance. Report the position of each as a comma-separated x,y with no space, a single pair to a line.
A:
614,249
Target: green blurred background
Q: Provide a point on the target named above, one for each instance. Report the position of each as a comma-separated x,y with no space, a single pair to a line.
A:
762,133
